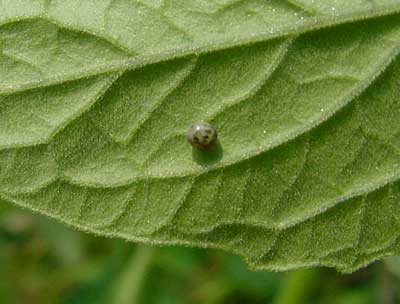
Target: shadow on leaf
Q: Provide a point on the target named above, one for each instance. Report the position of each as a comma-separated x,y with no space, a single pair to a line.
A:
208,157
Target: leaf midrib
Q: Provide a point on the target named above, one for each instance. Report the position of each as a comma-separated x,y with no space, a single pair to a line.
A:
143,60
278,141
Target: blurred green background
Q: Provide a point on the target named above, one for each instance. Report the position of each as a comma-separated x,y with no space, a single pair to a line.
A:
43,261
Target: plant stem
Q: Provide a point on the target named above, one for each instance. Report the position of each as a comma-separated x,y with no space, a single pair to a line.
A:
130,281
297,286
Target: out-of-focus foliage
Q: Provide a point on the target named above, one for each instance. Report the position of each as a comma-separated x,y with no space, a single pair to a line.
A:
44,262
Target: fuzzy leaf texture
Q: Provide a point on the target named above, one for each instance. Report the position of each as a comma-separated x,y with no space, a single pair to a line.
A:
96,97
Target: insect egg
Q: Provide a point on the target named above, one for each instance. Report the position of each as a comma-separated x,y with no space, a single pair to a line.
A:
202,135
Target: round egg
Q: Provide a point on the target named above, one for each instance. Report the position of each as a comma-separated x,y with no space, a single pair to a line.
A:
202,135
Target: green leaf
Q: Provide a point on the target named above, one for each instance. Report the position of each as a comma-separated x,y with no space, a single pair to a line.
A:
96,97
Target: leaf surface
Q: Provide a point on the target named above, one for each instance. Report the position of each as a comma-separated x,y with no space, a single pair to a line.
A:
96,97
